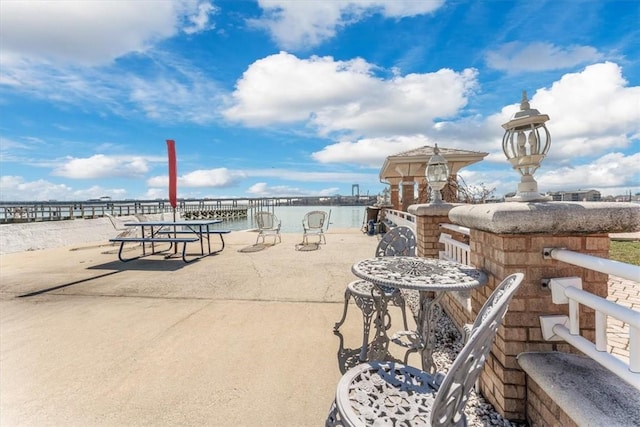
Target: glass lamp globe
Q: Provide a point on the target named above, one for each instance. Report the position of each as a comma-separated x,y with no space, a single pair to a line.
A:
437,174
525,143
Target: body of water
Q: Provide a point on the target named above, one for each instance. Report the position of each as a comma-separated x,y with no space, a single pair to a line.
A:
291,217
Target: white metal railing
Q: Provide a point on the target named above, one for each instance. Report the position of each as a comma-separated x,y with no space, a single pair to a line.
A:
457,251
607,266
568,290
400,218
457,228
454,250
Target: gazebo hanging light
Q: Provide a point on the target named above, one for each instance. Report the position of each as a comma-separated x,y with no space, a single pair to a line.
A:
526,143
437,175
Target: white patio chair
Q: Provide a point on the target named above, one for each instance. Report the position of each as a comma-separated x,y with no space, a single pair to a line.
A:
390,393
399,240
268,225
313,224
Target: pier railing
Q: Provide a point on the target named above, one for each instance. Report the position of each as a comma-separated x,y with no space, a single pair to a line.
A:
38,212
16,212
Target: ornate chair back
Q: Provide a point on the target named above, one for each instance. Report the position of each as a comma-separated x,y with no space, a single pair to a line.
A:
448,407
267,221
268,225
399,241
314,220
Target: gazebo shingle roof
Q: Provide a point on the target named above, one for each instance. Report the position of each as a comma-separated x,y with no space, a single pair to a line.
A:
413,162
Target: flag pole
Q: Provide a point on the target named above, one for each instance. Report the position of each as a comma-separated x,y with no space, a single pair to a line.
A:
173,184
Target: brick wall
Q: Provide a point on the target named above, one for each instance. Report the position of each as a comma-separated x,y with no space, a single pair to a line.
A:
502,381
510,237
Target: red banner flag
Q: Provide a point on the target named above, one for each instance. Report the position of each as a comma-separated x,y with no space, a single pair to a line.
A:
173,173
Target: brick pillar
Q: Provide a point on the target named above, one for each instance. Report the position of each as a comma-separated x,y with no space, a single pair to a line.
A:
395,194
408,197
428,220
510,237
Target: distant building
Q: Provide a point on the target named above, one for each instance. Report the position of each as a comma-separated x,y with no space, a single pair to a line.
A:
577,196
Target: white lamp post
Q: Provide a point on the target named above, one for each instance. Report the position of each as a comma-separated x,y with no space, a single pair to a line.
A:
437,175
525,143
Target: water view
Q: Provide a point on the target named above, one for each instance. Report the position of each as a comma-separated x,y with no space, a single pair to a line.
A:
291,217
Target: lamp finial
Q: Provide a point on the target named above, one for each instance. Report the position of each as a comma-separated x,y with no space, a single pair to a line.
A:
524,103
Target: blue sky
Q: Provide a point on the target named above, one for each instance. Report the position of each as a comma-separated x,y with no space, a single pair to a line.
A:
303,97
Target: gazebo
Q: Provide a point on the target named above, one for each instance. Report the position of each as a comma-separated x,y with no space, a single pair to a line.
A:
408,169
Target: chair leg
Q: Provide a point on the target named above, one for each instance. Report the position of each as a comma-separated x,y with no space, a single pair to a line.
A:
367,306
404,317
366,327
398,301
347,295
333,419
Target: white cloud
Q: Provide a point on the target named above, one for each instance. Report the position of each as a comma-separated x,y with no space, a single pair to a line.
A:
187,98
299,24
516,57
15,188
171,90
200,20
311,176
156,193
611,173
262,189
591,112
340,96
102,166
369,151
93,32
218,178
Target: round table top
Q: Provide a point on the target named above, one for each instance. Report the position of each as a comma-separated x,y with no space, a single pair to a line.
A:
423,274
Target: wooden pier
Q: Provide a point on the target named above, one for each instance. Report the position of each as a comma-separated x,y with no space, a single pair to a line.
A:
225,209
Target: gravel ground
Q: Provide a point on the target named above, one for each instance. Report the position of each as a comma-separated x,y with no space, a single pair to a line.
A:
448,344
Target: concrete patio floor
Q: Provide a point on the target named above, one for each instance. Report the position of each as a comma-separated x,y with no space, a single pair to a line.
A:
242,338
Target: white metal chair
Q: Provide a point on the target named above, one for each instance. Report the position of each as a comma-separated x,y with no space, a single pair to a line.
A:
390,393
268,225
313,224
399,240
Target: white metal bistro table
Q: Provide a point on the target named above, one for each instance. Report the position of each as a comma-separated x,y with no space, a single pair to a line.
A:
153,232
425,275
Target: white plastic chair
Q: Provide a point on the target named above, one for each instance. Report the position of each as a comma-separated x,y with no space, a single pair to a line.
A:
268,225
313,224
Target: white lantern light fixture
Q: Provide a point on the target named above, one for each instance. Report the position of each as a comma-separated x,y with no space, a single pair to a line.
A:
526,143
437,175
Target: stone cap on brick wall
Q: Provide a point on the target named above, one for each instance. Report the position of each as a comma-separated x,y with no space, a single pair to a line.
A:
432,209
549,217
587,392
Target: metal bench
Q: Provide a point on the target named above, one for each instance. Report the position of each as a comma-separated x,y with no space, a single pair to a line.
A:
201,235
153,241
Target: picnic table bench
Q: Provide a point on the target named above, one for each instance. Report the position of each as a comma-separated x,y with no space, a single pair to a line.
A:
153,241
174,233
